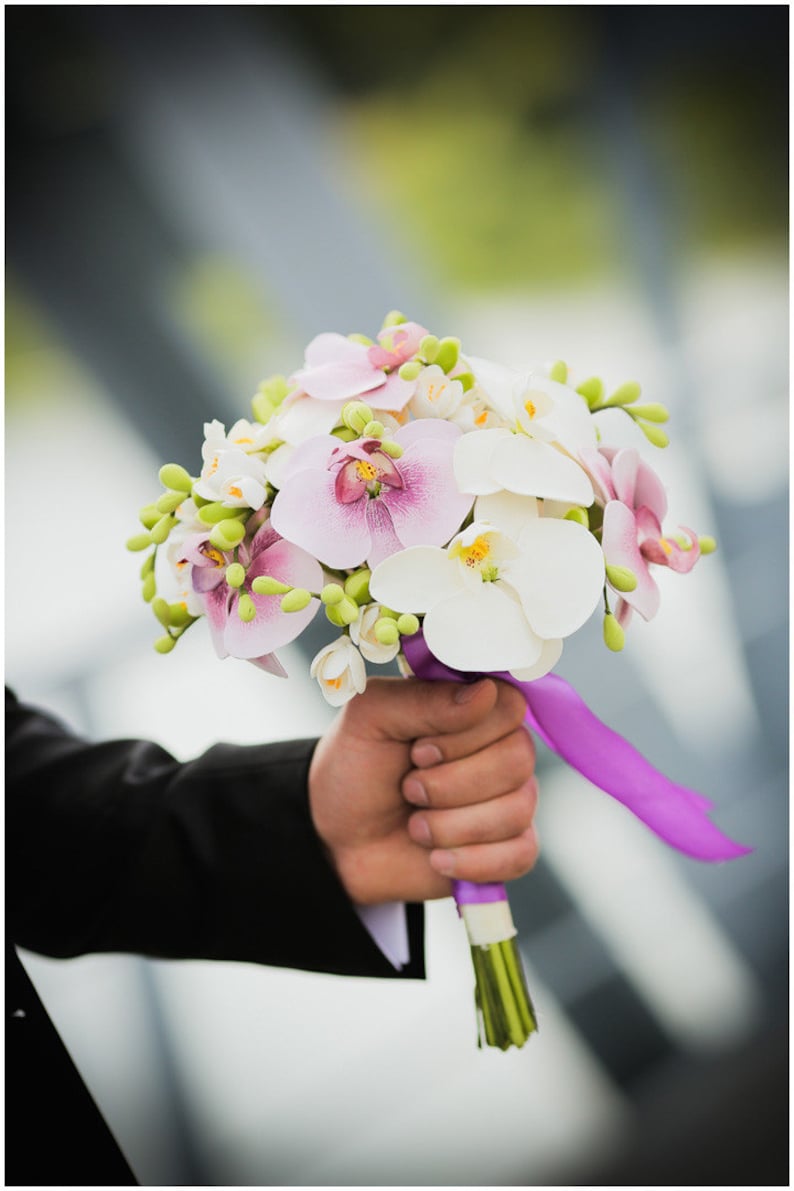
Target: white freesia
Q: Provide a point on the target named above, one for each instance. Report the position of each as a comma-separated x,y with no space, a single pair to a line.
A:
537,456
503,594
362,632
340,671
436,395
233,478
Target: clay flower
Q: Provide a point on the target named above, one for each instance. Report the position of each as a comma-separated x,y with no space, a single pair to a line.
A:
265,554
339,669
535,451
349,503
499,597
635,505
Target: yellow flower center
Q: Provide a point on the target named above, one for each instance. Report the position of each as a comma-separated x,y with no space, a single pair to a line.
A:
666,546
367,471
235,492
531,408
474,555
333,682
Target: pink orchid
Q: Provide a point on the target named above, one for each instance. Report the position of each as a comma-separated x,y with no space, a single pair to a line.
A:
264,554
635,505
339,369
348,503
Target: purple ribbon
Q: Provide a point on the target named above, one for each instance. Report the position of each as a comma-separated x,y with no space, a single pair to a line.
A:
564,722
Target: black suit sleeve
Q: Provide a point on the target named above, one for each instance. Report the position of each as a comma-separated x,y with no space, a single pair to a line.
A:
120,847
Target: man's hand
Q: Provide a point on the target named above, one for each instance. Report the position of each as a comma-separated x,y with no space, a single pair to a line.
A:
417,782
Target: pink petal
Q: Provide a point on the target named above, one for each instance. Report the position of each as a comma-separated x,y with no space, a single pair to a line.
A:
621,548
271,627
384,540
600,472
270,663
430,508
393,395
216,608
337,369
625,466
307,513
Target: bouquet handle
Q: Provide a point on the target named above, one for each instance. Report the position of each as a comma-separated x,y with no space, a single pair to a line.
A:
505,1013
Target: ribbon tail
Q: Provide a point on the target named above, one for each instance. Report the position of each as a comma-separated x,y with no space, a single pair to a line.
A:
676,814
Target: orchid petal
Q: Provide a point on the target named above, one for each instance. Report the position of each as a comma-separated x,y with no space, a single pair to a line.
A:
272,628
270,662
307,512
559,576
502,385
426,428
507,511
569,421
483,629
600,472
415,579
621,548
532,468
625,466
473,458
337,369
550,655
384,540
305,417
428,509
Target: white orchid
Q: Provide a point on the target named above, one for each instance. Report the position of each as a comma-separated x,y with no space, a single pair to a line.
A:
537,453
339,669
504,593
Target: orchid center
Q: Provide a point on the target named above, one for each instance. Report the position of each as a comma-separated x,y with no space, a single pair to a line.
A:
366,471
477,556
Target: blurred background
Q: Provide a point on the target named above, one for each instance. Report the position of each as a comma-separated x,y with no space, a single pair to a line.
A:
191,194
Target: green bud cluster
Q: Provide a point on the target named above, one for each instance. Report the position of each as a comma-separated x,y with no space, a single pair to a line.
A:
647,416
357,585
390,626
227,534
344,612
268,398
356,415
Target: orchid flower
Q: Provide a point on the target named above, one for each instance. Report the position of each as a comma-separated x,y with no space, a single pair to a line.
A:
347,503
266,553
337,370
535,453
234,478
504,592
339,669
635,505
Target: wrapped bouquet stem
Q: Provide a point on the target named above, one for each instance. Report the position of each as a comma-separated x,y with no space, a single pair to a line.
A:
456,515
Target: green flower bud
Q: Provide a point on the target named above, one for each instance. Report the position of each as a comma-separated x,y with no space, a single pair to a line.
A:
170,501
625,394
356,415
428,348
275,388
614,637
148,565
332,593
214,512
163,528
364,340
246,608
149,587
267,585
149,516
621,578
343,613
579,515
654,434
386,631
162,611
393,319
357,586
374,429
344,433
175,477
235,574
227,534
296,600
410,370
447,354
262,408
466,380
388,613
592,390
559,371
654,411
707,545
179,615
164,644
392,449
407,624
139,541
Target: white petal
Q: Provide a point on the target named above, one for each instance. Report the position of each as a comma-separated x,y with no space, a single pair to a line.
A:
306,416
415,579
550,655
533,468
474,451
570,420
507,511
559,577
502,385
483,630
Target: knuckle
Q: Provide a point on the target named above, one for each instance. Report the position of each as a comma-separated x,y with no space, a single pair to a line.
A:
511,704
526,853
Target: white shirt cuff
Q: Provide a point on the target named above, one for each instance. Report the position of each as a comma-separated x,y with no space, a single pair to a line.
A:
388,926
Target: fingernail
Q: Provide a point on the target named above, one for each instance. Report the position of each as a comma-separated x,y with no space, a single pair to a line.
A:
443,862
425,755
420,829
415,792
466,691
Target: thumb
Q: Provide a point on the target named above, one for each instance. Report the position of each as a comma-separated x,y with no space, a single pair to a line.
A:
404,709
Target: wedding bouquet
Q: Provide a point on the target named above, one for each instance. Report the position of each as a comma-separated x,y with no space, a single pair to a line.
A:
454,515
